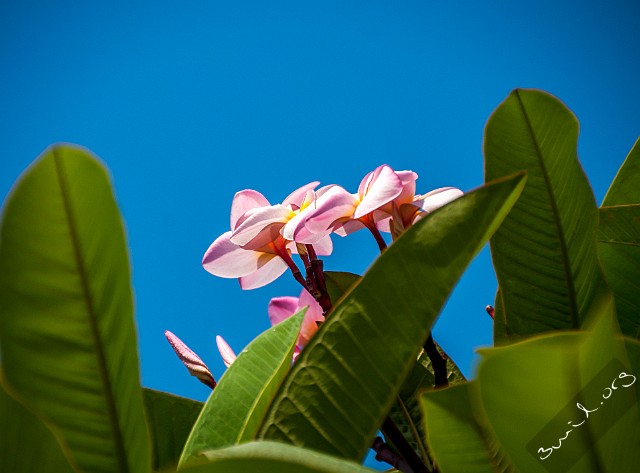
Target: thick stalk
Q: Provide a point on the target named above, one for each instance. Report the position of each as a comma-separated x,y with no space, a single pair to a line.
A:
320,284
438,363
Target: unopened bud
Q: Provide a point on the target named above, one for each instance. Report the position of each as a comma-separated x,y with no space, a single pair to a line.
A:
192,361
227,354
490,310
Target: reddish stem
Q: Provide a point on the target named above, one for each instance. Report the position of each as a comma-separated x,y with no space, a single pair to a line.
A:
282,252
371,225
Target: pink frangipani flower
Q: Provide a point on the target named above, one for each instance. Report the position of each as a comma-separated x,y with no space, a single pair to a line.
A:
255,251
385,197
405,213
281,308
345,213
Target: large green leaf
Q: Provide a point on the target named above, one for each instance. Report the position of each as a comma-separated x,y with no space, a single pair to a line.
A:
545,252
532,391
26,444
345,381
66,318
234,411
457,439
625,188
271,457
619,241
619,251
170,420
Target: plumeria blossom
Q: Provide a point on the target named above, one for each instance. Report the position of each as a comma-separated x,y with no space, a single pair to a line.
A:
405,212
385,201
258,248
281,308
344,213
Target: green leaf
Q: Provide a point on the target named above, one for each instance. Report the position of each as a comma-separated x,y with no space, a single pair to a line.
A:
339,283
625,188
545,252
272,457
406,412
26,444
66,320
633,350
457,439
454,375
170,420
345,381
501,334
619,251
536,385
236,407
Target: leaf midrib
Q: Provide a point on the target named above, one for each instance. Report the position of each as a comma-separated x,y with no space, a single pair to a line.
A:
112,414
573,306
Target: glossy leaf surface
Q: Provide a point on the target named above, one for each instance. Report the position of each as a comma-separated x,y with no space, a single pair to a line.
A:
545,252
66,320
345,381
237,405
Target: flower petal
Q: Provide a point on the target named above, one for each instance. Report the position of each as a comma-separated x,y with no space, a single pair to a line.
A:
297,196
297,224
227,354
227,260
348,226
323,246
377,189
281,308
296,229
437,198
244,201
258,220
313,315
270,270
408,179
334,204
384,224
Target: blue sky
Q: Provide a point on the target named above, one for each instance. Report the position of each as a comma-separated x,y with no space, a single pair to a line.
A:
189,102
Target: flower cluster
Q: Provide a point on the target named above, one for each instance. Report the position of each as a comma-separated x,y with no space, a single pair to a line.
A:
264,237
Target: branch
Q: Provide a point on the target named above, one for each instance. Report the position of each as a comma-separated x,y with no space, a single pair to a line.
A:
438,363
384,453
